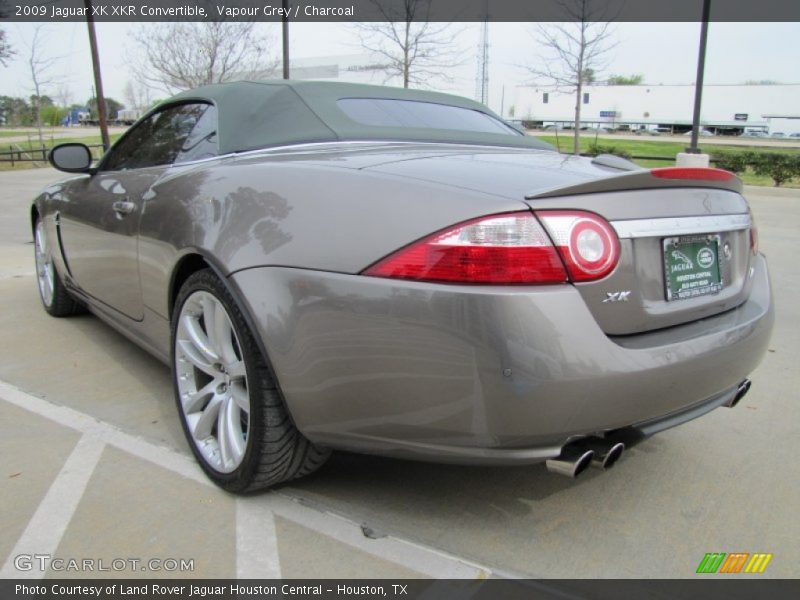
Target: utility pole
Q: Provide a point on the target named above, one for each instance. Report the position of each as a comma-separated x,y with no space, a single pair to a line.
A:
698,89
285,20
98,80
482,75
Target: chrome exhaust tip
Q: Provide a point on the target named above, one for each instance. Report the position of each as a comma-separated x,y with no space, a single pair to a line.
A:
571,462
741,392
606,454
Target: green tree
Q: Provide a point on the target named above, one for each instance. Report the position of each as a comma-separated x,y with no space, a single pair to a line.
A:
635,79
112,107
17,111
52,115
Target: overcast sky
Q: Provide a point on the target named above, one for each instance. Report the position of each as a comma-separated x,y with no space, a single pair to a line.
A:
663,52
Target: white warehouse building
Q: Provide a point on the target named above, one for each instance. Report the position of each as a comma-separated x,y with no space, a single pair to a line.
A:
729,109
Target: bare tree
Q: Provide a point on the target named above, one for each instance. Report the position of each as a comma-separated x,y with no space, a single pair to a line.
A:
575,51
180,56
42,76
6,52
64,95
409,46
137,95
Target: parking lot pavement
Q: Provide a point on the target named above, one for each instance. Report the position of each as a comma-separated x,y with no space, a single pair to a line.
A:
95,466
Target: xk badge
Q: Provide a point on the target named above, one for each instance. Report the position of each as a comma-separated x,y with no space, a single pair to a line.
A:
617,296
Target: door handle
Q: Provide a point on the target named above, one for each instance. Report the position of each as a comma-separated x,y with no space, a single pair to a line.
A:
123,207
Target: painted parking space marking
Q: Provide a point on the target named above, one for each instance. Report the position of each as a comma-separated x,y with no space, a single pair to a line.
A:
256,543
46,528
256,540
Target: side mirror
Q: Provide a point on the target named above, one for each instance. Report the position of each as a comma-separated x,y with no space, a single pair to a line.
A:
72,158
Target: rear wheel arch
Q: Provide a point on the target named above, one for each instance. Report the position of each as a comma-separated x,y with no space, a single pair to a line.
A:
282,452
194,262
185,268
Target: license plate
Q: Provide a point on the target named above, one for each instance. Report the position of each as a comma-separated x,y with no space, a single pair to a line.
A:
692,266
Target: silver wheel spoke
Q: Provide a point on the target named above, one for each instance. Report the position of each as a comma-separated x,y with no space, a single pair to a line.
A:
222,336
240,397
236,369
45,272
191,354
205,423
193,401
209,318
199,338
229,433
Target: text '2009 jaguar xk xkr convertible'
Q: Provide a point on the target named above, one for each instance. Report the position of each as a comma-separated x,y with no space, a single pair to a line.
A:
335,266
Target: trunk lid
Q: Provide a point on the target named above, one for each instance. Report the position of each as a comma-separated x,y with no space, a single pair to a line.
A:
661,222
651,225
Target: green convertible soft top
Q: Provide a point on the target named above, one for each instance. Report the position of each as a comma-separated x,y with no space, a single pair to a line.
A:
260,114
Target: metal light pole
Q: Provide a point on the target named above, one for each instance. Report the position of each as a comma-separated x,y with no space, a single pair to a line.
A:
285,19
98,80
698,89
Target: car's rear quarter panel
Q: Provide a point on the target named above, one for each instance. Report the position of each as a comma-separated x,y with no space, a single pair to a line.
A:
420,368
414,368
298,213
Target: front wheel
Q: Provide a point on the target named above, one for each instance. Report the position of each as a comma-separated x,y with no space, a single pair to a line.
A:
232,412
56,300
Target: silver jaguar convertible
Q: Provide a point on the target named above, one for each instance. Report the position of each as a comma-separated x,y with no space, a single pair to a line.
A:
335,266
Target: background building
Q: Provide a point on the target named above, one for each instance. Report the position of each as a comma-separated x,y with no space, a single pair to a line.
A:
726,108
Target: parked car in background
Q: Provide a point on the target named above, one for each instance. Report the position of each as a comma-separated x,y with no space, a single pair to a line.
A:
701,133
334,266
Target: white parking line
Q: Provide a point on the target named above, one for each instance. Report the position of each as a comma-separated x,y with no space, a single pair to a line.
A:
423,560
47,526
161,455
256,544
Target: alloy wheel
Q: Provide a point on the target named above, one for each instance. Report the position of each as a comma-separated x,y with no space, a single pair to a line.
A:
45,273
212,381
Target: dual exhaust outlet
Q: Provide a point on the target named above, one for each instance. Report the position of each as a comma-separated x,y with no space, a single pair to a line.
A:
602,453
595,452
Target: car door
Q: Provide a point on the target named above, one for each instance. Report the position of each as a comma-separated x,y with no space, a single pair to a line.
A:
99,222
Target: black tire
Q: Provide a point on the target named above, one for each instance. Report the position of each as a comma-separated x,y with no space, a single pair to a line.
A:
61,303
276,451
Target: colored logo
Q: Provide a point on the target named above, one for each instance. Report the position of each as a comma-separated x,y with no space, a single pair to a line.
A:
735,562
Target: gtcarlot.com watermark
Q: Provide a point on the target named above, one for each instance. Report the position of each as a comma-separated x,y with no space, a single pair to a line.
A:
48,562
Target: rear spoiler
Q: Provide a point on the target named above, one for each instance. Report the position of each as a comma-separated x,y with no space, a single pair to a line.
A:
640,179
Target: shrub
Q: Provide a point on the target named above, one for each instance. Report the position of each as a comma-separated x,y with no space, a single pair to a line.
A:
735,162
780,167
596,149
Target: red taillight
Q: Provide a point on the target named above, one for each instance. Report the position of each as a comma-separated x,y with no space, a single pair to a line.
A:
586,242
693,173
511,248
753,234
501,249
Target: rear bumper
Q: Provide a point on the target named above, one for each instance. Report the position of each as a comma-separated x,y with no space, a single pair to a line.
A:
485,374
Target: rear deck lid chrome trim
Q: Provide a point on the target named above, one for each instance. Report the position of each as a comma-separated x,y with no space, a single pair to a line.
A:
672,226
